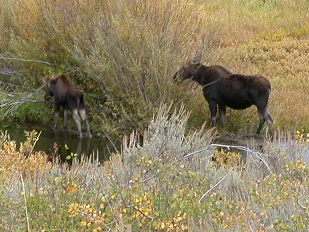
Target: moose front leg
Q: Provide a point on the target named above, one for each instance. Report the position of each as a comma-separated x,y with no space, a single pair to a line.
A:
57,109
56,120
213,112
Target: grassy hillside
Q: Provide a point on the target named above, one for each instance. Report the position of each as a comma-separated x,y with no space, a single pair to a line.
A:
123,54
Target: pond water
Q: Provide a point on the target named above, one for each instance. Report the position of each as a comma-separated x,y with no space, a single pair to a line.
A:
65,144
60,142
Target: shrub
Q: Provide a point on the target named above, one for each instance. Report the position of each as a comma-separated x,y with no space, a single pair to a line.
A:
166,181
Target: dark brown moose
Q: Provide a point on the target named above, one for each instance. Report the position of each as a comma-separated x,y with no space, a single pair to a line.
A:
222,88
69,97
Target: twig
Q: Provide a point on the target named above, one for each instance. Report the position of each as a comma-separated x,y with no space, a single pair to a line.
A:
137,209
110,140
37,139
86,184
16,86
13,104
26,60
242,148
303,207
215,185
25,200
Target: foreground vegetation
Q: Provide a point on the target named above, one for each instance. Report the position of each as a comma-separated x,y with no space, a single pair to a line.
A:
123,55
171,181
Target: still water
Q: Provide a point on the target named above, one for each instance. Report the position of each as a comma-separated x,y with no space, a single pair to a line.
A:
60,142
66,143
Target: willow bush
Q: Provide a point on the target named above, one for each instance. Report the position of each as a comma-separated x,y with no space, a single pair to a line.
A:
122,52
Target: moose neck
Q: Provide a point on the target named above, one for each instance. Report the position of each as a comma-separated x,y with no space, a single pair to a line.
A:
208,74
203,75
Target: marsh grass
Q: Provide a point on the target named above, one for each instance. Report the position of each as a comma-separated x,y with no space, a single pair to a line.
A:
166,182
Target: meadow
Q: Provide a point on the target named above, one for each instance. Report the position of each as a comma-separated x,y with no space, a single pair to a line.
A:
168,175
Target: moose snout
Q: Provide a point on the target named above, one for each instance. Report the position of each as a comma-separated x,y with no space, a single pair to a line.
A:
47,98
176,78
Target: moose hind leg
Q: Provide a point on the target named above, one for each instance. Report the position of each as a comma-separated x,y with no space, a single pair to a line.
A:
265,116
82,113
270,122
77,120
222,111
65,116
262,120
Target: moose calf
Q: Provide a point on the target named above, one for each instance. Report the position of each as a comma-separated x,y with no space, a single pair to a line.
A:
69,97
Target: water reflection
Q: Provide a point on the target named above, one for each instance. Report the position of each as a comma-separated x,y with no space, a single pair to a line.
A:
252,142
60,142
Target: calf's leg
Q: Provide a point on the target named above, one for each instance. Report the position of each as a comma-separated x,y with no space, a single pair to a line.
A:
77,120
65,115
57,108
82,113
56,119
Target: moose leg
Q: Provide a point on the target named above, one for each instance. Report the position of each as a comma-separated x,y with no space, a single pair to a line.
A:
56,119
262,120
222,111
82,113
213,112
57,108
65,115
77,120
265,116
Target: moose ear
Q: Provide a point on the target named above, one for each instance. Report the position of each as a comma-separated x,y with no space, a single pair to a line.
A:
197,58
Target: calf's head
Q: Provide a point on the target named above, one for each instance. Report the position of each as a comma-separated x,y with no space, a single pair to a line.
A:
49,86
188,70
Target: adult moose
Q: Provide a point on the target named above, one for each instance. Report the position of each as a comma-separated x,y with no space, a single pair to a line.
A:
69,97
222,88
